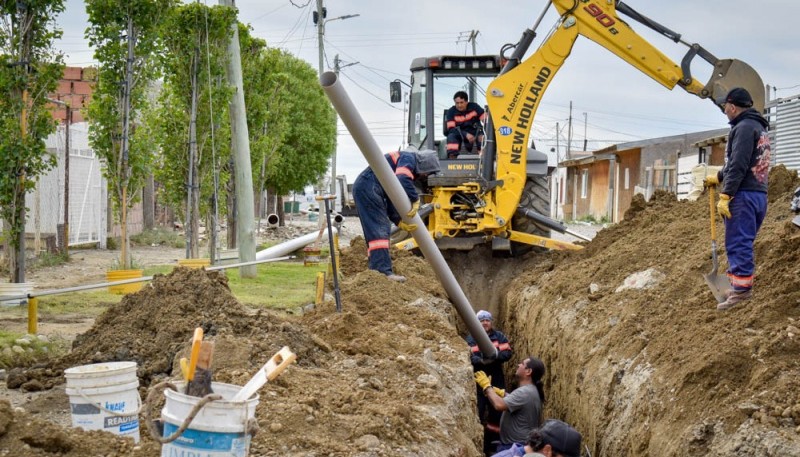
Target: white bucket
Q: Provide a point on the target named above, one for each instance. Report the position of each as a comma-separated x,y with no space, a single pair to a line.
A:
218,430
105,396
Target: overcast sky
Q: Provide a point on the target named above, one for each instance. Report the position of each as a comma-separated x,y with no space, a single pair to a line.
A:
621,103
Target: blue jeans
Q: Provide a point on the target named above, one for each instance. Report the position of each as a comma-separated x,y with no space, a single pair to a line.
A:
748,209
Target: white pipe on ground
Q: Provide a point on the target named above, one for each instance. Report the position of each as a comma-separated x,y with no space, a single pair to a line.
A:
287,247
273,220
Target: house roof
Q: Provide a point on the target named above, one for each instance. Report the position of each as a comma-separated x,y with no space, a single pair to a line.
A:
608,153
711,141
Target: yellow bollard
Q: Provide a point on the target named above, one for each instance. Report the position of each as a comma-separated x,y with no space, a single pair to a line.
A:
33,318
320,288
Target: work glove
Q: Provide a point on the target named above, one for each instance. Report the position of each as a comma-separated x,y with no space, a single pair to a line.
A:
414,208
722,206
407,227
484,381
711,180
500,392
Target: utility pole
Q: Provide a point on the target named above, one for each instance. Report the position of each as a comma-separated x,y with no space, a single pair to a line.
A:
320,20
558,149
585,138
569,133
192,223
240,143
473,34
336,68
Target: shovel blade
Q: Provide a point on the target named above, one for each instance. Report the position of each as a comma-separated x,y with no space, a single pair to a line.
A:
796,221
719,285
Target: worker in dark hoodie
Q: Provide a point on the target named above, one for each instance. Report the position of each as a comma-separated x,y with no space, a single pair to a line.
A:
743,194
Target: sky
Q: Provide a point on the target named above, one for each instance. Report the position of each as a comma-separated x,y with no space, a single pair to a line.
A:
612,102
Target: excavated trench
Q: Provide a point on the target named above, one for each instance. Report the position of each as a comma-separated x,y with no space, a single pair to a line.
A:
651,371
645,365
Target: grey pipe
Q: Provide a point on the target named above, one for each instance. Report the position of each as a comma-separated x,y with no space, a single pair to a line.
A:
273,220
358,129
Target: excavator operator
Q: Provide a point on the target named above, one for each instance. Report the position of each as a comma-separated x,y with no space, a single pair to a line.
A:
464,125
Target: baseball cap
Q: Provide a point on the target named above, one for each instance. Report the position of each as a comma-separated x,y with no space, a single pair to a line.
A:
561,437
484,315
739,97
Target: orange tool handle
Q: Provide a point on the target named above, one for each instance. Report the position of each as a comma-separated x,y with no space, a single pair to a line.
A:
196,340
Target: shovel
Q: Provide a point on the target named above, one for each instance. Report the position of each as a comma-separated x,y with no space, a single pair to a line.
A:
268,372
719,285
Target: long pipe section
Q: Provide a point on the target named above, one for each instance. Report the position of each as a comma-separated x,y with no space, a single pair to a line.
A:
358,129
287,247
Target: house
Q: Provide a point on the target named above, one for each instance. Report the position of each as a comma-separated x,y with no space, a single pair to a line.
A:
601,185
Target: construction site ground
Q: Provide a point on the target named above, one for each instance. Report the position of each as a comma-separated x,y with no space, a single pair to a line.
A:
651,371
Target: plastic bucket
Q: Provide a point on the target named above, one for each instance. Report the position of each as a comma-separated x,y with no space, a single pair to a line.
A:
219,428
105,396
194,263
311,256
120,275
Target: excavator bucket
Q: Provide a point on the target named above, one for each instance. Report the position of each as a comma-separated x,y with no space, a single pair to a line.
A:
732,73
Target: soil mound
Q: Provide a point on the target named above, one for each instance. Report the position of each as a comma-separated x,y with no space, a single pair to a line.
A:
650,371
388,376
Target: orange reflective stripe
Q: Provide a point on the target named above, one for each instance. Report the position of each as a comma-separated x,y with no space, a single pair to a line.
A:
404,171
503,346
470,115
741,281
483,117
475,349
451,124
452,146
395,156
378,244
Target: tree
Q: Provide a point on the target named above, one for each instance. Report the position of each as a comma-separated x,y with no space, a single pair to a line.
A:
29,71
292,124
194,99
127,70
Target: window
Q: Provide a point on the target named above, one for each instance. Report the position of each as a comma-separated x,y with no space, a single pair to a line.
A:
584,182
627,178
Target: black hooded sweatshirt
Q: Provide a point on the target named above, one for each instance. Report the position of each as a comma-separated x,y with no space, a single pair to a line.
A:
747,155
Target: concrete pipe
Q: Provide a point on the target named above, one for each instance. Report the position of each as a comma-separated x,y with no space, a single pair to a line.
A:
273,220
366,143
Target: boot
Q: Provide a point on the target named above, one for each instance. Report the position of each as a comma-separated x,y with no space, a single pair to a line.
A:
397,278
734,298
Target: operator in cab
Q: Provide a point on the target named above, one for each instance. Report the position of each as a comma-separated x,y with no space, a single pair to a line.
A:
463,122
376,211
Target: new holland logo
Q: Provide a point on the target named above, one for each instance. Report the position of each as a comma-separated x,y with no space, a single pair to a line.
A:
505,130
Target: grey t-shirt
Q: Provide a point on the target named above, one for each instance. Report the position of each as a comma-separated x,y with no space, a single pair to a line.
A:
522,416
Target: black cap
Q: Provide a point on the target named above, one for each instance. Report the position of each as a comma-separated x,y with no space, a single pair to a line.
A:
561,437
739,97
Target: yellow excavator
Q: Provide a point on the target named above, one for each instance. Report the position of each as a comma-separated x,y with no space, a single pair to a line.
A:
501,196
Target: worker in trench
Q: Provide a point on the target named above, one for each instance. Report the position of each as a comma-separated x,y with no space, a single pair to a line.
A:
489,417
522,408
376,211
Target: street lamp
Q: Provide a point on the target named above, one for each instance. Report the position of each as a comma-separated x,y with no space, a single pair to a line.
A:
320,21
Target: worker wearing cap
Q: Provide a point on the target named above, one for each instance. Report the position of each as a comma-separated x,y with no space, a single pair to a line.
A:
493,368
377,213
553,439
743,193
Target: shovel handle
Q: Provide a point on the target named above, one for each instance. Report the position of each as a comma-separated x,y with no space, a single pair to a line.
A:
713,213
197,339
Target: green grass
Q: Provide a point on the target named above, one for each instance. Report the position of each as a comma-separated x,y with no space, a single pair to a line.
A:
160,237
283,285
35,351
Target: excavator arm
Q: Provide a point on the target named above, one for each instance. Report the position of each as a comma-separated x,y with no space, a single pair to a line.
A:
514,96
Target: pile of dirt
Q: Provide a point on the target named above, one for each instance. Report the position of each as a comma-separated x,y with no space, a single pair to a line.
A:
658,371
388,376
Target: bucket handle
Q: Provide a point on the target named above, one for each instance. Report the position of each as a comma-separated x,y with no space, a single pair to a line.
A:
113,413
151,426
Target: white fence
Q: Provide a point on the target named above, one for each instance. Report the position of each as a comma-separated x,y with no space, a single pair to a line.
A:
87,192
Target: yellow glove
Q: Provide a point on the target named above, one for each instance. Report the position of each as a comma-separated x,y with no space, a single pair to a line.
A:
484,381
711,180
407,227
414,208
500,392
722,206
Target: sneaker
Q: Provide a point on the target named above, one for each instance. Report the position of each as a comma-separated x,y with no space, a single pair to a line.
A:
734,298
397,278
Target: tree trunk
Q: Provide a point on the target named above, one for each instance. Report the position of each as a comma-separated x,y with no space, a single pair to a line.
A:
149,203
231,189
